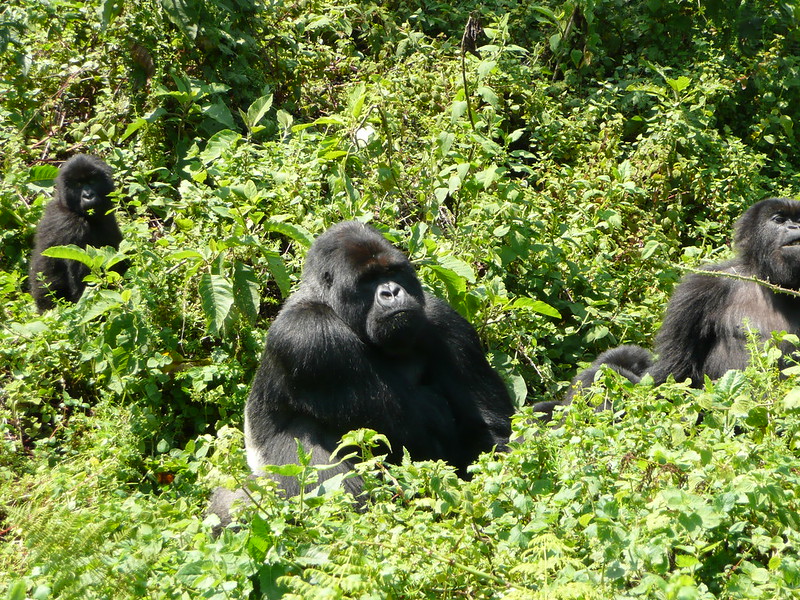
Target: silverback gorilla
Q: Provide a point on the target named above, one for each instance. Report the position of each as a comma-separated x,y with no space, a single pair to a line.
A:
360,344
705,327
78,214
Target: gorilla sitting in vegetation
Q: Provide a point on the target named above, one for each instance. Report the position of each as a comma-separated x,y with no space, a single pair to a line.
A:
706,325
78,214
360,344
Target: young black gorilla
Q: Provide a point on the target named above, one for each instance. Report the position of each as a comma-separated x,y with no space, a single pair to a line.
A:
705,327
361,345
78,214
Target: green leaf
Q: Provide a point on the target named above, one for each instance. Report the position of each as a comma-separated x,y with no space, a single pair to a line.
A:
43,175
104,302
650,248
488,95
295,232
184,14
257,110
450,278
536,306
109,10
216,296
245,292
70,252
679,84
555,42
220,113
285,120
16,590
458,266
792,400
278,270
142,121
218,144
182,254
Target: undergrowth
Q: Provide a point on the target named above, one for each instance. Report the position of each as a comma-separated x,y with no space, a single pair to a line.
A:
550,175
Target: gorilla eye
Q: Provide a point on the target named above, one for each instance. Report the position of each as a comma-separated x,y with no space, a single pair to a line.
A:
779,218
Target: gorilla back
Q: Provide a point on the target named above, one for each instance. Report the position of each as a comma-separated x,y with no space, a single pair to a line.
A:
361,345
78,214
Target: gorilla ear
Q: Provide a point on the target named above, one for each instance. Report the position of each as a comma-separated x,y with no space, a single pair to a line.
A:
327,279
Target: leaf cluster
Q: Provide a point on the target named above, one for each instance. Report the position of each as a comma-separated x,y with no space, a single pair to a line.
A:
550,179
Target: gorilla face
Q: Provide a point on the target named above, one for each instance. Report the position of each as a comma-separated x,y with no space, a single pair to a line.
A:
83,185
395,318
369,284
768,236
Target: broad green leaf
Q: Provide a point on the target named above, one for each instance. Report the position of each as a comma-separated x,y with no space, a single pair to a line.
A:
216,296
536,306
137,124
245,292
220,113
679,84
70,252
43,174
218,144
458,266
488,95
16,590
258,109
297,233
182,254
650,248
109,10
454,282
792,400
183,14
284,119
278,270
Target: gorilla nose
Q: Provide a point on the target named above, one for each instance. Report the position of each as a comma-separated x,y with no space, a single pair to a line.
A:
389,293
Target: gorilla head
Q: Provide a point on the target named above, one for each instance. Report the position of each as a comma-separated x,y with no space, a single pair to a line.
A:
768,240
369,284
79,214
83,185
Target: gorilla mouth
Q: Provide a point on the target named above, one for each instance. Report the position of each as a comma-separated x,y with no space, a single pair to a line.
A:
793,244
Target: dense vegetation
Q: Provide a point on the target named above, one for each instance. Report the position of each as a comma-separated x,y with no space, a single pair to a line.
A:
550,168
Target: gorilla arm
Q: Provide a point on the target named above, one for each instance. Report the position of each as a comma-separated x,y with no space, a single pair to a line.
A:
691,329
470,381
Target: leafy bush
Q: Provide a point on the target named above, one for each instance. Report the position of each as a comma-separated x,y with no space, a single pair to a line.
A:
550,174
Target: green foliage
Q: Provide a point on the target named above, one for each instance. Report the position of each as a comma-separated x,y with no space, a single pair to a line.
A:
549,182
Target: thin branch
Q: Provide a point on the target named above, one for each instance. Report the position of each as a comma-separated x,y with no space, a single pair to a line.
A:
750,278
471,32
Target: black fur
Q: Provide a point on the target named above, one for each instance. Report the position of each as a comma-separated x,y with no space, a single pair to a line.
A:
361,345
704,330
78,214
630,361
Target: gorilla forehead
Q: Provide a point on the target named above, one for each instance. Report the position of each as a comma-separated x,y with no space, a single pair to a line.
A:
84,166
355,245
